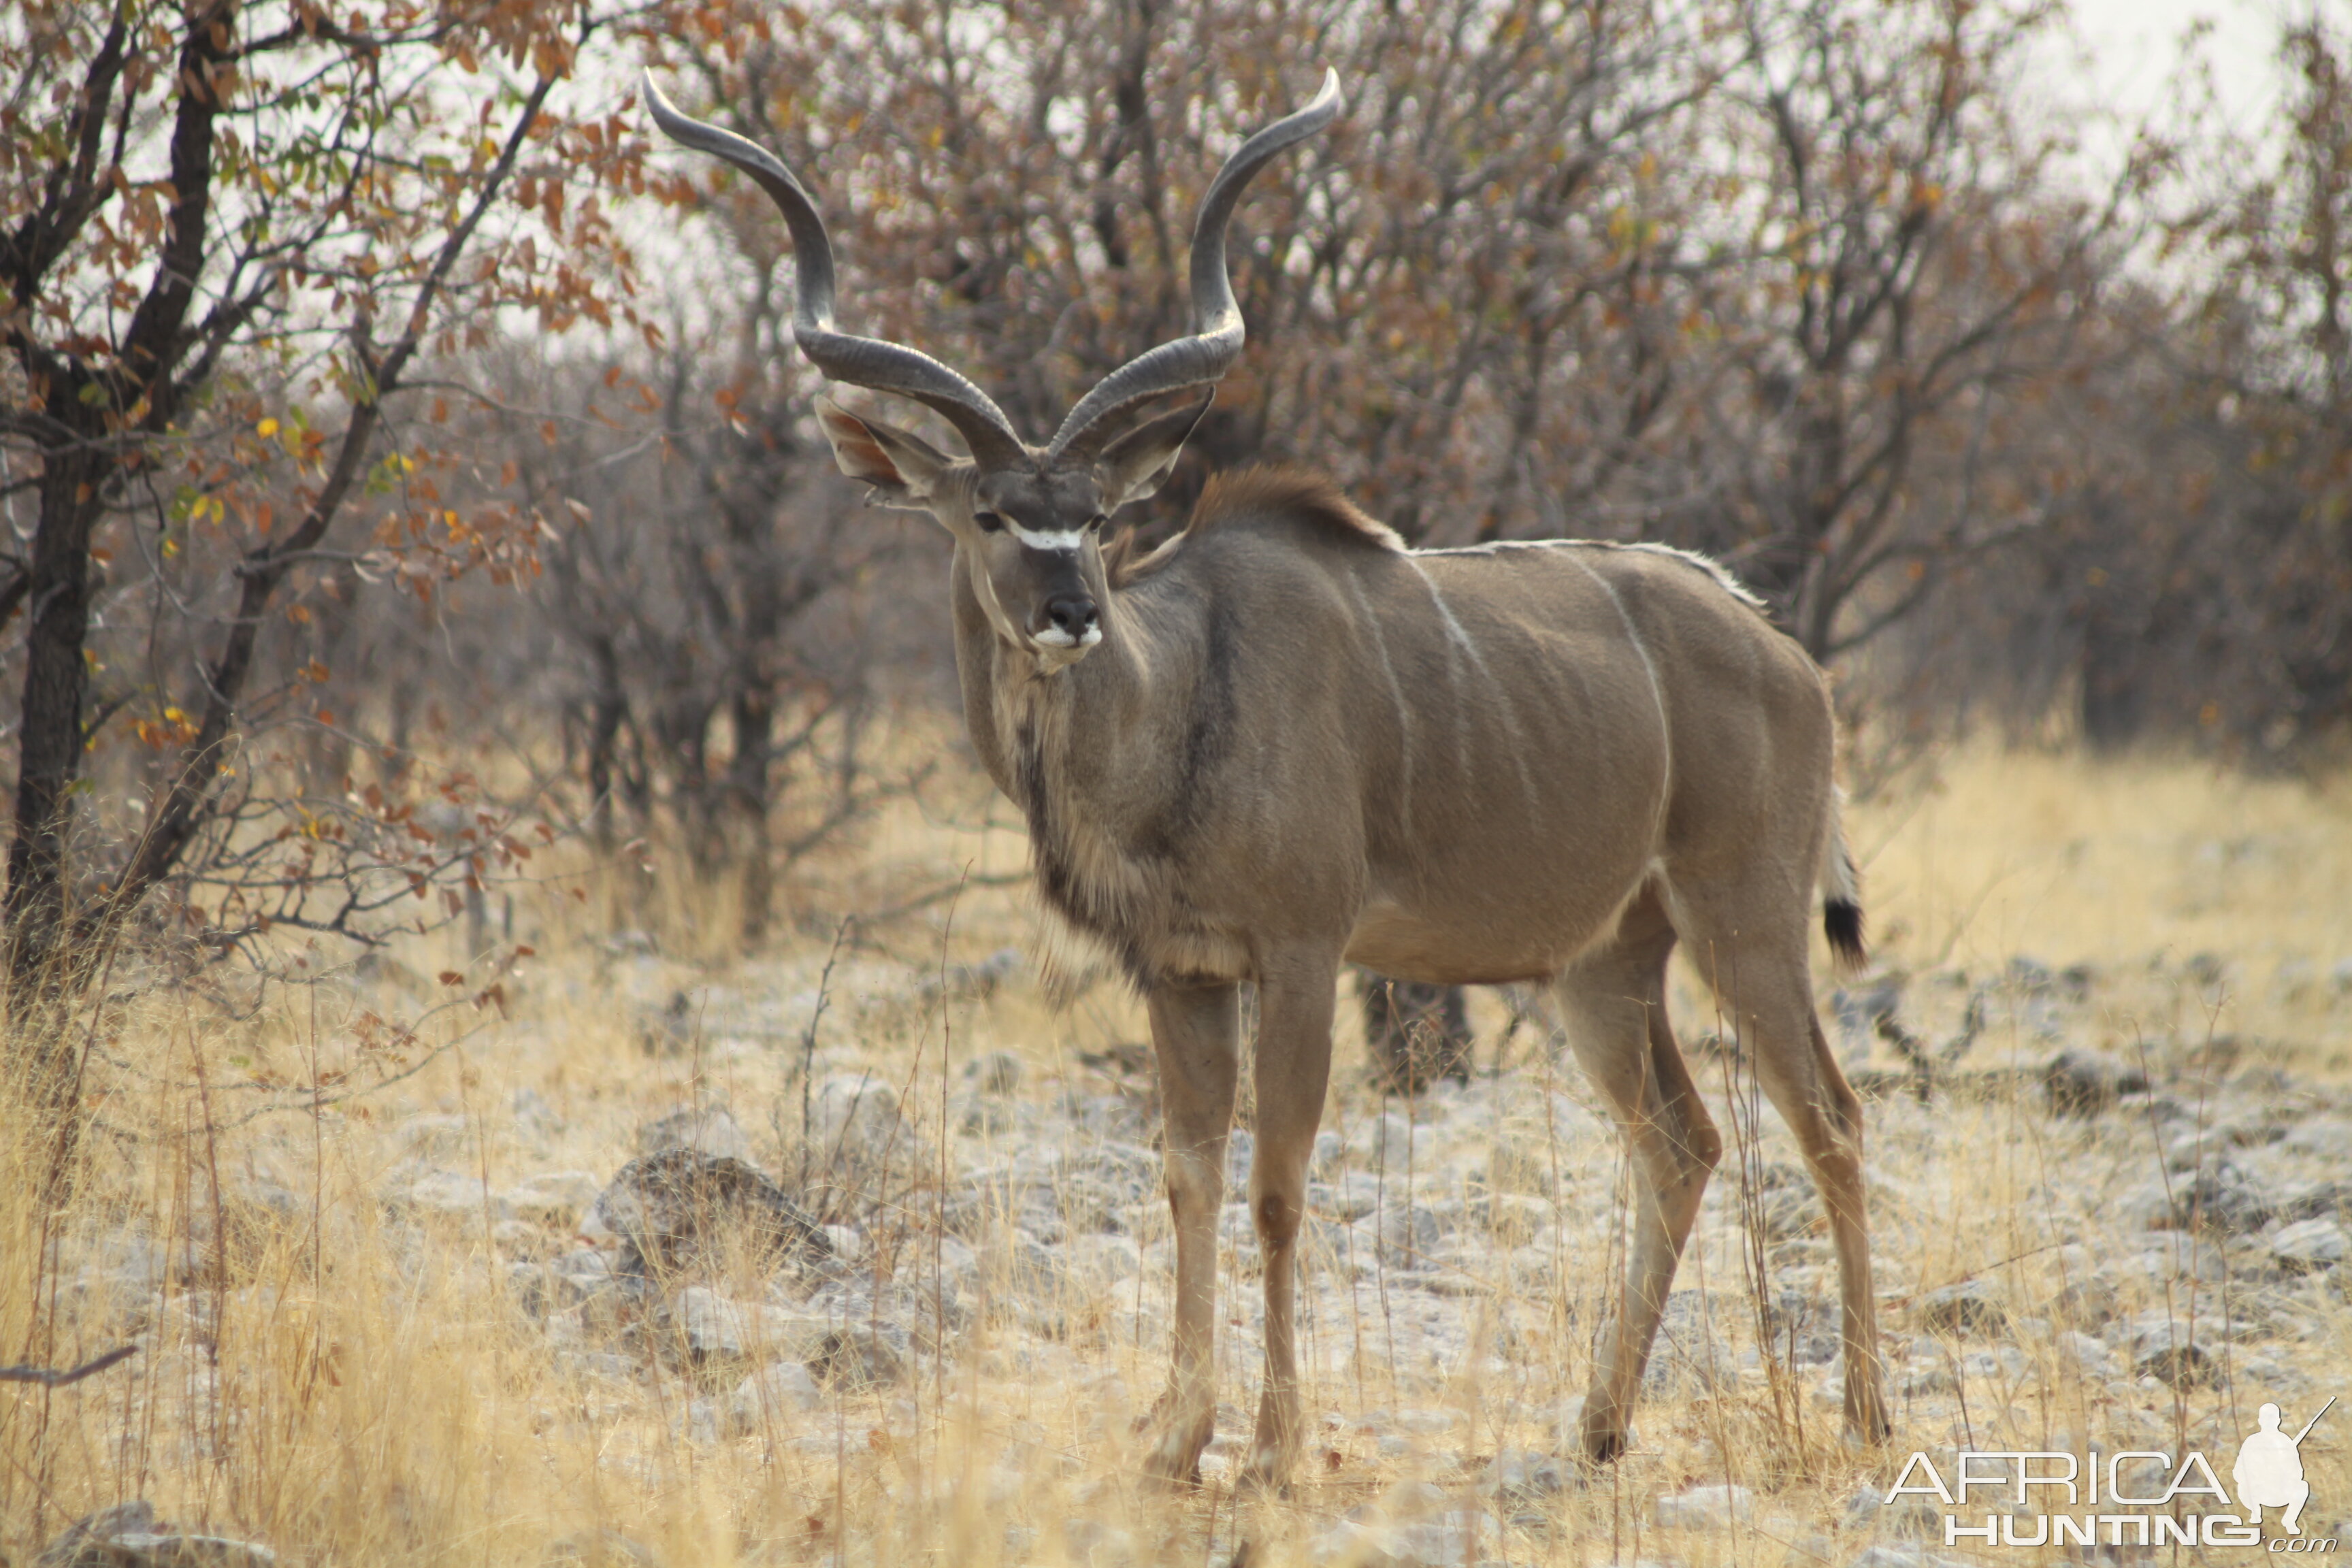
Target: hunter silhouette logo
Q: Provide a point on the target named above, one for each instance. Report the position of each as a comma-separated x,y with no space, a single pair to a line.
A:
2269,1472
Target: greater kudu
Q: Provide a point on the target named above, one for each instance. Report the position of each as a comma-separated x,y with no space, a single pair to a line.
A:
1284,740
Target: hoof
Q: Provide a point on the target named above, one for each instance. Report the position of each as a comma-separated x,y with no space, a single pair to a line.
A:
1173,1457
1605,1446
1266,1476
1172,1464
1869,1431
1165,1475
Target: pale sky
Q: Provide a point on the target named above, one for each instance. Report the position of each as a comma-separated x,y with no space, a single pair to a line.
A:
2135,46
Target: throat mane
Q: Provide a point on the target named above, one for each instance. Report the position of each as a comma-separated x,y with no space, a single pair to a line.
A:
1115,888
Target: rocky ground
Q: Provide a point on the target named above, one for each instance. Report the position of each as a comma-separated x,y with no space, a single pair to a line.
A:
911,1299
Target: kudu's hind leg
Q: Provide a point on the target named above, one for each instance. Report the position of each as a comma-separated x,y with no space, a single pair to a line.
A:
1769,997
1293,1068
1614,1002
1196,1034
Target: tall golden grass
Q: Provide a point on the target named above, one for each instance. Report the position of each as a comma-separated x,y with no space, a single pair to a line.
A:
351,1380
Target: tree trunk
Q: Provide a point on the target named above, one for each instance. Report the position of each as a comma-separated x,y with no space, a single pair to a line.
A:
41,960
1415,1033
2114,697
608,707
747,799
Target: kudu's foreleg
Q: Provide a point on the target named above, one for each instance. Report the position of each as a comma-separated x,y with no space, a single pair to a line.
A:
1293,1069
1614,1003
1196,1034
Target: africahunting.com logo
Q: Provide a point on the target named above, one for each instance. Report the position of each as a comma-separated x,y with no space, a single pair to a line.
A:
2134,1497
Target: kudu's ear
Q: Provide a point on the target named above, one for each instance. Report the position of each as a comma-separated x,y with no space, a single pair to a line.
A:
1139,462
903,468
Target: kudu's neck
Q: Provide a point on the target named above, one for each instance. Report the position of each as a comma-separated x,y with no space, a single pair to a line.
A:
1090,724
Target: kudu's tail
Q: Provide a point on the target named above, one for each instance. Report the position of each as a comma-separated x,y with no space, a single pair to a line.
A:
1841,887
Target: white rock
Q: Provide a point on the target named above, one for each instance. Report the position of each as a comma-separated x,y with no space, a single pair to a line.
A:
1427,1422
2175,1254
155,1551
955,1256
446,1195
709,1129
1328,1147
603,1548
534,1112
997,1073
435,1137
2310,1247
1707,1508
1392,1142
701,1422
130,1535
515,1237
1357,1194
855,1120
2094,1358
2172,1349
1568,1425
773,1394
1451,1541
555,1197
2007,1362
586,1264
2328,1140
1523,1475
714,1326
1904,1554
1410,1235
1102,1260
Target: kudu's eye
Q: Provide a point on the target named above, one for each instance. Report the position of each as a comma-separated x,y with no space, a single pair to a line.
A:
989,522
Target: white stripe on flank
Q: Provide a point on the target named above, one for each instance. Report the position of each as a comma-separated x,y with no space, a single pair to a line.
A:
1454,631
1458,635
1396,697
1657,694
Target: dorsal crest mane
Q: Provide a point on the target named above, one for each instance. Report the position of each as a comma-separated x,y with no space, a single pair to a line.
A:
1236,499
1252,495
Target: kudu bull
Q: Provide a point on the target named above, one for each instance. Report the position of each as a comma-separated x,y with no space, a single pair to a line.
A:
1283,742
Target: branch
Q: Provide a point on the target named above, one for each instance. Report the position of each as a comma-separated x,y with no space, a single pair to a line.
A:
940,895
47,1378
190,794
152,343
12,592
74,191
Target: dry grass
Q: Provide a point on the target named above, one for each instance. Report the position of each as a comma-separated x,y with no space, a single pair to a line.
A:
2128,865
354,1372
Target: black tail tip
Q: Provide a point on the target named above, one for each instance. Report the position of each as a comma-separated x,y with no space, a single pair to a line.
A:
1841,923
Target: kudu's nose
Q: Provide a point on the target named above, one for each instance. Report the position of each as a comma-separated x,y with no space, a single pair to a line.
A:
1073,613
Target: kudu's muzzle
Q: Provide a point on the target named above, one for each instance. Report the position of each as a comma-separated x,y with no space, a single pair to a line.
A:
1072,615
1067,620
